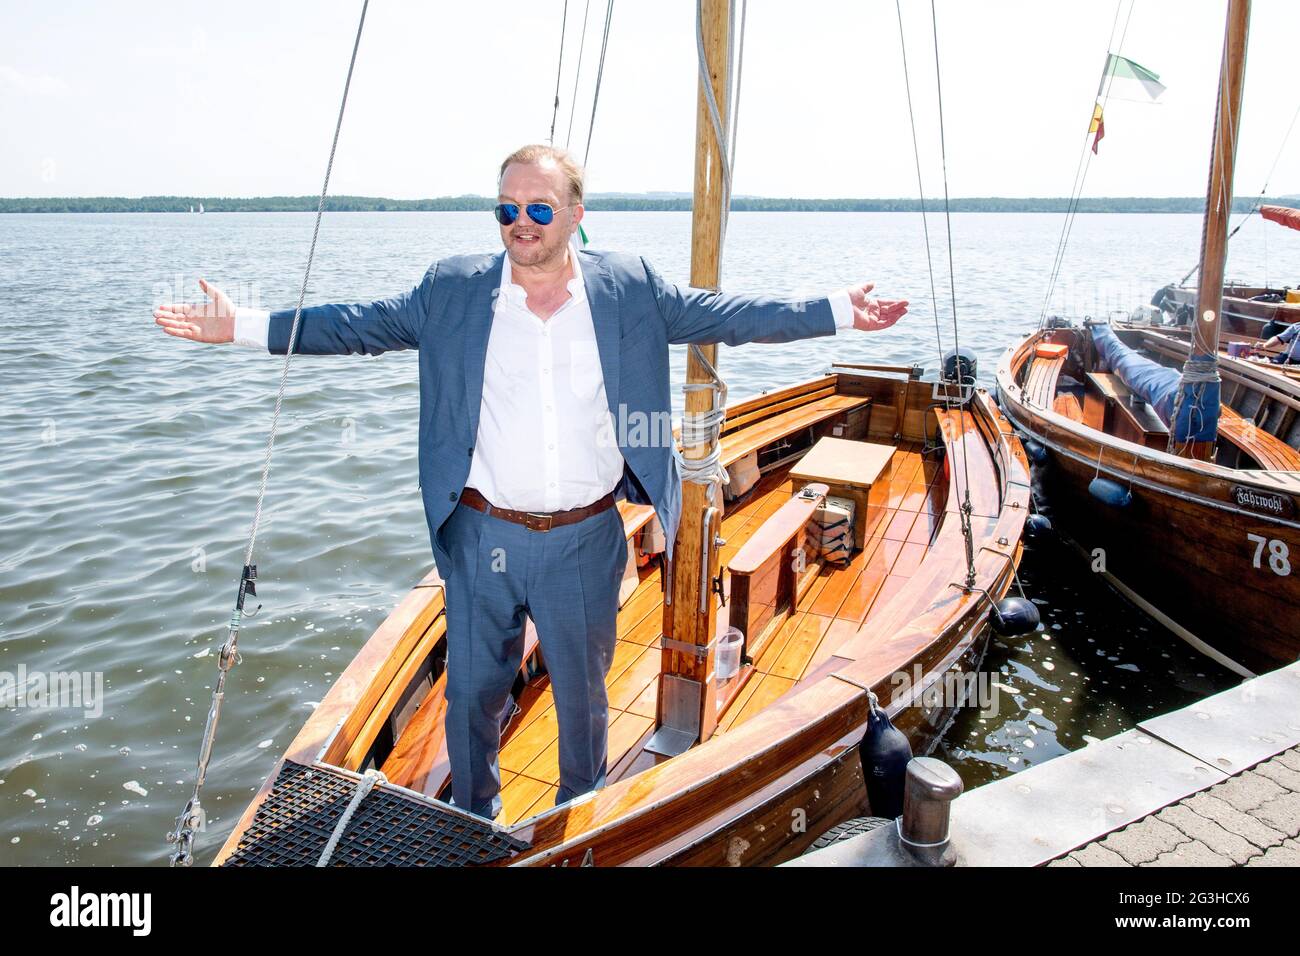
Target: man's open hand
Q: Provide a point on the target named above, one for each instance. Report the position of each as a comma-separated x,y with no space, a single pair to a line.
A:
213,321
872,315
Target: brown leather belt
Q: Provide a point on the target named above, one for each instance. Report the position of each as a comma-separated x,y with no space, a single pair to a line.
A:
535,520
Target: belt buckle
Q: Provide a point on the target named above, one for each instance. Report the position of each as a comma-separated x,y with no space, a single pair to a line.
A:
535,521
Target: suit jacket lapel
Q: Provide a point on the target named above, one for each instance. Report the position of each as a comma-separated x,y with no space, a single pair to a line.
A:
602,297
484,287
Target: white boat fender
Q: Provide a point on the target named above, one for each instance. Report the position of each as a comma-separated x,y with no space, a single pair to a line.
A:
1110,492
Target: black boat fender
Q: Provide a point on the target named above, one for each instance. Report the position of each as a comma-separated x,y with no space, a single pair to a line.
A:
1110,492
1037,527
1013,616
885,755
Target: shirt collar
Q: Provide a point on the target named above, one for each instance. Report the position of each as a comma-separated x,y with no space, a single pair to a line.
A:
515,293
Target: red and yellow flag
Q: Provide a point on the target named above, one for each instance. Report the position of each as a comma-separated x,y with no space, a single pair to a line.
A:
1097,126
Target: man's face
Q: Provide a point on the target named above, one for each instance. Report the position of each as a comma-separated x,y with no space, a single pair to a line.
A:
526,242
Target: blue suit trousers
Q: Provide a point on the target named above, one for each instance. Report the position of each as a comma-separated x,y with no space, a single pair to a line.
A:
567,579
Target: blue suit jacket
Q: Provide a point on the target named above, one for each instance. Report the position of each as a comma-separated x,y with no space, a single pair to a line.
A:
636,316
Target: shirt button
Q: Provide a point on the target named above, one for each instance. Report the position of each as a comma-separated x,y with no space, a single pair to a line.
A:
452,496
551,447
469,451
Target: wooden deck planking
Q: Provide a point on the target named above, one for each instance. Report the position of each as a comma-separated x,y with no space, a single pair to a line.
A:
831,611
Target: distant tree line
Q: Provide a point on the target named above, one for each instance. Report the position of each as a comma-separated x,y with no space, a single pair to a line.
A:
615,203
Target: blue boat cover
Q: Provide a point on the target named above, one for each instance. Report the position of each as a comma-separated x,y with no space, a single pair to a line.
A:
1198,418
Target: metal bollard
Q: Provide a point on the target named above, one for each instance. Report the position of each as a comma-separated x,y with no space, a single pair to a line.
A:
928,793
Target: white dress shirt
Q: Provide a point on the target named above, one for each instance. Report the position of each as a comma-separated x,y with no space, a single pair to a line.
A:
546,437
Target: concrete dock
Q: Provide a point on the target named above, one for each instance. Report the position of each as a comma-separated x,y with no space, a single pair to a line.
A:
1214,784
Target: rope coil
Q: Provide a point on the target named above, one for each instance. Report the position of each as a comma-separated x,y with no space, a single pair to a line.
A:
1197,373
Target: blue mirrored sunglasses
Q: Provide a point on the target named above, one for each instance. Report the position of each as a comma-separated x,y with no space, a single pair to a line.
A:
539,212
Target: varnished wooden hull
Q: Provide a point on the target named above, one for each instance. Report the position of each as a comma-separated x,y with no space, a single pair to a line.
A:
761,791
1241,314
1183,546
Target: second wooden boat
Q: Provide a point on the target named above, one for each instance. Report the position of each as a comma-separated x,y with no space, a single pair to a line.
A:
1200,527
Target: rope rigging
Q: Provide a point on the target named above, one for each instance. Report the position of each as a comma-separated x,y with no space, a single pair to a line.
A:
600,74
1263,193
966,508
577,75
1085,160
192,816
559,71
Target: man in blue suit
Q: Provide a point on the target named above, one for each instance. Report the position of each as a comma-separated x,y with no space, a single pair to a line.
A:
540,370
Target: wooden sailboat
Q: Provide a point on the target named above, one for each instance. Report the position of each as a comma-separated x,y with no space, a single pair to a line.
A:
783,747
1247,310
1202,537
747,770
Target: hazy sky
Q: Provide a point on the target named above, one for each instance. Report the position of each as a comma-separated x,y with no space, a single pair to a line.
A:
239,97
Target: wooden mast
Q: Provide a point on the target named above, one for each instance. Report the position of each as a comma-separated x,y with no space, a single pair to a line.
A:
1218,198
687,707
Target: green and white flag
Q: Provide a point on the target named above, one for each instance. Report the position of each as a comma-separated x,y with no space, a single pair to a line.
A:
1122,68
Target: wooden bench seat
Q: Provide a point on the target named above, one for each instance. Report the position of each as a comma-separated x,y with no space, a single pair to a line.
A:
1271,452
767,572
635,517
1040,384
1111,406
741,442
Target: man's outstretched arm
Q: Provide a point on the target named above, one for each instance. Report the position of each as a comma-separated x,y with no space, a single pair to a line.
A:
364,328
702,317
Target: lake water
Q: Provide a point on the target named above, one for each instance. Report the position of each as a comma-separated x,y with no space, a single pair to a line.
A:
129,465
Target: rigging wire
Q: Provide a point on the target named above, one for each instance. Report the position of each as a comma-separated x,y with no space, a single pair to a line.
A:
966,507
740,72
1263,193
600,74
192,815
559,71
1085,161
577,76
920,186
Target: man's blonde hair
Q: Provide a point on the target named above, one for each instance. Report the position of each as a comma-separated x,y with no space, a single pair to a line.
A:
539,155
